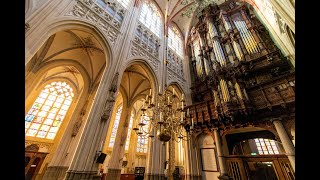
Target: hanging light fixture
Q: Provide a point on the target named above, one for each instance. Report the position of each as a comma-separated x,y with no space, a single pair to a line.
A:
168,117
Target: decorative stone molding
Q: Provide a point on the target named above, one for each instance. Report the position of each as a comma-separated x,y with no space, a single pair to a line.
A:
175,63
137,50
88,10
174,77
111,99
26,27
147,40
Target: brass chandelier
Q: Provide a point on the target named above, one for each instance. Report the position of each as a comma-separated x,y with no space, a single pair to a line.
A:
167,118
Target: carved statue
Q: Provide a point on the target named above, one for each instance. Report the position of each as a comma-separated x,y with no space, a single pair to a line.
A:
111,98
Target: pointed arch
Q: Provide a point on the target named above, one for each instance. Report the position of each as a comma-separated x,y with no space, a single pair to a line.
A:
176,39
62,24
152,17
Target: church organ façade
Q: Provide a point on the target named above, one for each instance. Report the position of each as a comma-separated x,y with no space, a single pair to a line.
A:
239,77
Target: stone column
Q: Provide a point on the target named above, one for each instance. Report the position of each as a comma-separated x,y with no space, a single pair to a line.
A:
192,169
222,165
155,160
286,141
115,163
84,165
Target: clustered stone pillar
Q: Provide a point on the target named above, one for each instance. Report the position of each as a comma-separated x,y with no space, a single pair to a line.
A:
286,141
84,165
221,160
115,163
156,159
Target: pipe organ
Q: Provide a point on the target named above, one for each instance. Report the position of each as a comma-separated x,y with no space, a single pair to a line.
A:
234,64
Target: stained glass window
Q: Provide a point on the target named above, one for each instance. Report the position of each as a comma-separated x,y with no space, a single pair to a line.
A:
124,3
266,146
129,132
150,16
175,40
112,9
48,111
115,127
142,145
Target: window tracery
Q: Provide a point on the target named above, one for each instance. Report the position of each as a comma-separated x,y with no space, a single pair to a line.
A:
151,17
48,111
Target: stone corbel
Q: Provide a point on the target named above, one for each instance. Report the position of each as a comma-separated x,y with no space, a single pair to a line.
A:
26,27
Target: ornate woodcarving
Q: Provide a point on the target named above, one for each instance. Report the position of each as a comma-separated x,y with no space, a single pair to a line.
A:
32,147
87,9
40,145
244,79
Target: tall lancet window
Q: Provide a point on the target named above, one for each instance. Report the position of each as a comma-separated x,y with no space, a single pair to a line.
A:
150,16
124,3
114,11
175,40
129,132
115,126
48,111
142,145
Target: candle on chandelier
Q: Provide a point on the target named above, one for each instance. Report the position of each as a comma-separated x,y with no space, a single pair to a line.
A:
173,92
188,112
150,92
168,99
159,90
182,97
192,122
182,116
147,97
182,105
160,116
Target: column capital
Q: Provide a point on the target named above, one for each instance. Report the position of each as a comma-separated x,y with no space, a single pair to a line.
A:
276,119
215,129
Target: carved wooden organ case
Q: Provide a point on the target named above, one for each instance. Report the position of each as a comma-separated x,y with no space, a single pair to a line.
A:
239,76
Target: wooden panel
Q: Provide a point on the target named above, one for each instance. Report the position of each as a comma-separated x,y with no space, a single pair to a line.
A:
127,177
287,169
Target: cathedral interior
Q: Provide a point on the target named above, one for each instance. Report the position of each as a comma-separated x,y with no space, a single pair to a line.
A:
159,89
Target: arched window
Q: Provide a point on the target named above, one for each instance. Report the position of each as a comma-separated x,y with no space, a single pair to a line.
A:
266,146
150,16
124,3
129,132
112,9
142,145
48,111
175,40
115,127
